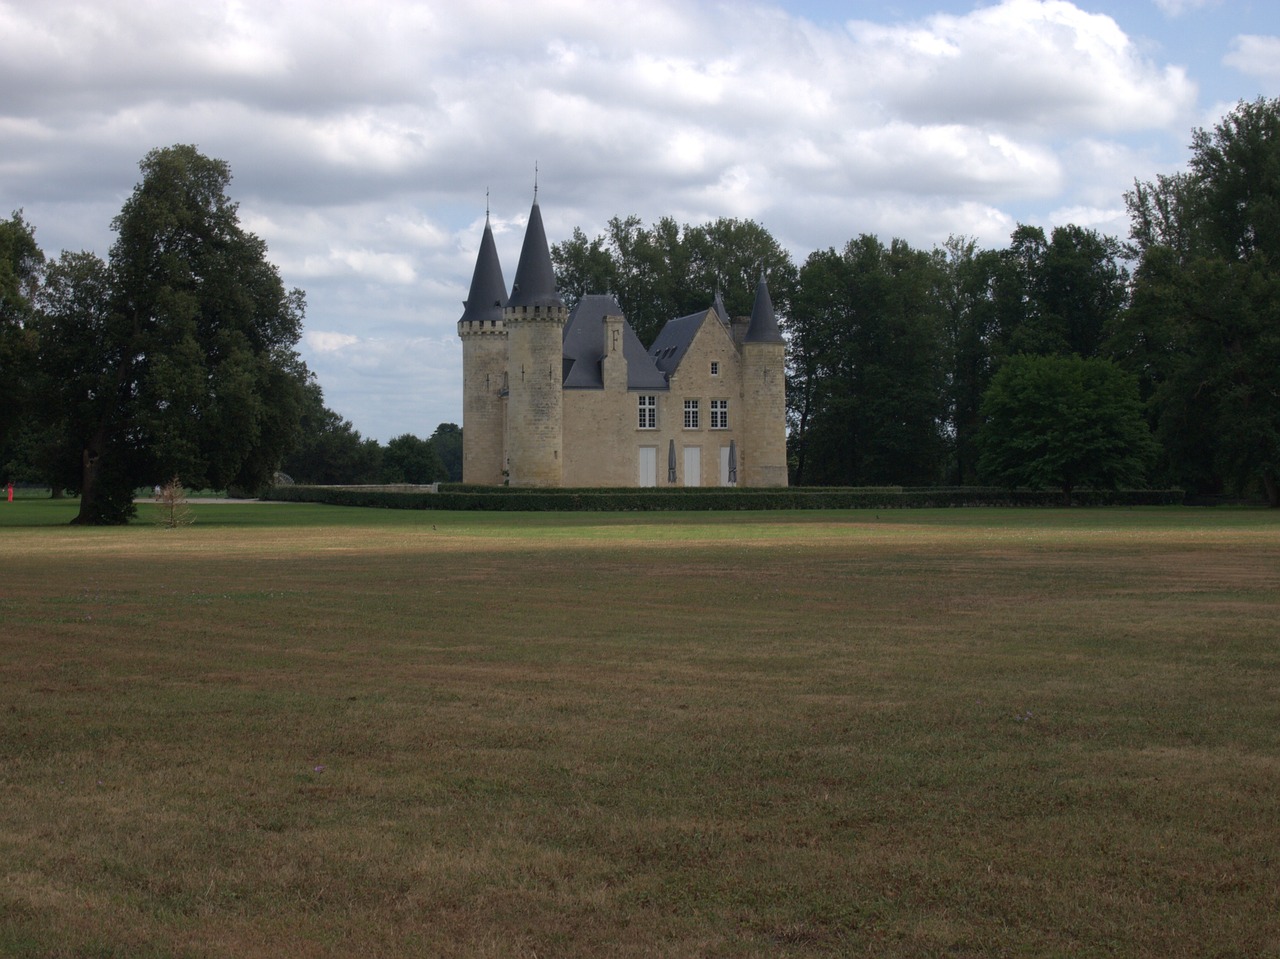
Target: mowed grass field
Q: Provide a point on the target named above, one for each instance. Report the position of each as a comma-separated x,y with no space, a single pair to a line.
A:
294,731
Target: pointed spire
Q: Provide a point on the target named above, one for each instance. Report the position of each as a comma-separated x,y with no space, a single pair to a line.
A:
764,325
535,283
488,289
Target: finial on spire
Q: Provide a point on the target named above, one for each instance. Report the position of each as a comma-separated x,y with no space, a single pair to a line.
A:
486,204
535,181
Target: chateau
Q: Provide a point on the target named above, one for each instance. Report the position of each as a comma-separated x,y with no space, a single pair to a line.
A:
559,398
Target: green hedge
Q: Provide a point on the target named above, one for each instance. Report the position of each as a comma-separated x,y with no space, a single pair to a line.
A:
459,497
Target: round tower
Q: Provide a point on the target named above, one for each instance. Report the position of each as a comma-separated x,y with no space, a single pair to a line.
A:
764,395
535,317
484,363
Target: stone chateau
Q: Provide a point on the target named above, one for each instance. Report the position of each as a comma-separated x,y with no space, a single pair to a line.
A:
554,398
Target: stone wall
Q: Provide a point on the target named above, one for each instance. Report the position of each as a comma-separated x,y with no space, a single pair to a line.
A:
535,395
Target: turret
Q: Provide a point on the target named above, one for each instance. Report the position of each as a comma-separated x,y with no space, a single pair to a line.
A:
484,363
534,317
764,395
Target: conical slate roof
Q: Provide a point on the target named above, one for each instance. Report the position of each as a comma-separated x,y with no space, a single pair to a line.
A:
535,283
488,290
764,325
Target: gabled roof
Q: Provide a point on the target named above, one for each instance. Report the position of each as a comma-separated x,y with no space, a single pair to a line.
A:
674,340
535,283
584,348
488,290
764,325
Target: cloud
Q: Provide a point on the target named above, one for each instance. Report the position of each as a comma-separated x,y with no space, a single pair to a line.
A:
1040,64
323,341
362,137
1176,8
1256,56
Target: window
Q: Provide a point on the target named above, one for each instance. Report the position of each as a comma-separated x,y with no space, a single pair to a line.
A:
715,369
719,414
691,414
648,413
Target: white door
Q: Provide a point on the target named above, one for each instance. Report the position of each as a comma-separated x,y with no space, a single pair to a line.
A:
724,466
693,466
648,466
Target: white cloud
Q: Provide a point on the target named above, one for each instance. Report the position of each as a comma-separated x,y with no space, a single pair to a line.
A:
1176,8
362,137
323,341
1043,64
1257,56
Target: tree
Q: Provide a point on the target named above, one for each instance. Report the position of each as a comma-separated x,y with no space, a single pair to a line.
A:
972,333
447,440
191,370
330,451
1060,295
21,264
866,395
1208,333
1064,422
408,459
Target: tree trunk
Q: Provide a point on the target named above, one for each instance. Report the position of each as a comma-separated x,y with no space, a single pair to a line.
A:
1272,487
90,469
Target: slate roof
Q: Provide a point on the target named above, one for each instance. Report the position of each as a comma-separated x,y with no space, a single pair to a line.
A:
674,340
488,290
535,282
764,324
584,348
718,305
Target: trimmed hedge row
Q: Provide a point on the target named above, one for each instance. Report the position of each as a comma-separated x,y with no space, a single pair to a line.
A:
707,498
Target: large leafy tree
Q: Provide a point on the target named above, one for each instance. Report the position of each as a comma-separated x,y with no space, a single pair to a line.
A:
410,459
175,358
21,265
1064,422
330,449
447,440
867,382
973,345
1205,329
1061,294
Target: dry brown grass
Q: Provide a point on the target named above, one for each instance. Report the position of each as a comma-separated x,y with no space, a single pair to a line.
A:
928,734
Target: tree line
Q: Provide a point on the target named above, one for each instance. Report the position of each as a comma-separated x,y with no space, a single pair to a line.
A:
1067,359
331,452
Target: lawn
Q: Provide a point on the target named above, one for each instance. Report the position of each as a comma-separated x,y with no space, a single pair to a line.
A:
290,730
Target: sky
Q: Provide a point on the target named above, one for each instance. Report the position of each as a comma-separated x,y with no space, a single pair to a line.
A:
365,137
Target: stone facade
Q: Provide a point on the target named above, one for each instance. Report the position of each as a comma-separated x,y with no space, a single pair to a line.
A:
558,399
